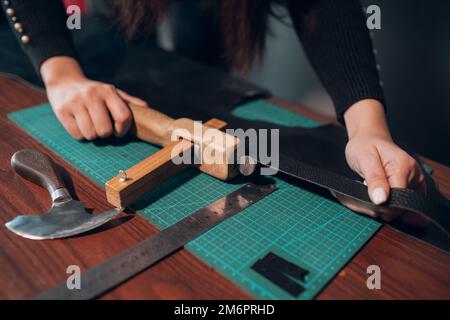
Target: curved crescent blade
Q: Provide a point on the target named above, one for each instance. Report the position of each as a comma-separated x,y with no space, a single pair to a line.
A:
56,225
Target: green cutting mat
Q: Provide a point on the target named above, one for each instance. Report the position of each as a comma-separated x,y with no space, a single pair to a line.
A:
308,230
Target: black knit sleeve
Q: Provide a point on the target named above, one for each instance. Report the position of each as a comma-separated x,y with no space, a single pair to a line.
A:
40,27
337,42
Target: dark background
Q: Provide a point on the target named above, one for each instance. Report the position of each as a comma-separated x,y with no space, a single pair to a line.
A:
414,52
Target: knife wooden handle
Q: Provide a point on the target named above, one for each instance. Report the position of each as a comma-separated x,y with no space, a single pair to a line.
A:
38,168
151,125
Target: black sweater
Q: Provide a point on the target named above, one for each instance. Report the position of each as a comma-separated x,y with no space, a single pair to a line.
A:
334,36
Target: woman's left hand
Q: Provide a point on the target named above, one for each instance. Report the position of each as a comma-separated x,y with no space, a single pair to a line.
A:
372,153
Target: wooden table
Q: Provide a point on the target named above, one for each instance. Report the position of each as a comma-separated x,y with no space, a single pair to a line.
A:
410,269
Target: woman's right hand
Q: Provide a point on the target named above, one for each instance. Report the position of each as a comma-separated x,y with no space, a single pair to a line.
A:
87,109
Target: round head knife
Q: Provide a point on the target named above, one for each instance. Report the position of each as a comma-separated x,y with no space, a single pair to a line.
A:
66,217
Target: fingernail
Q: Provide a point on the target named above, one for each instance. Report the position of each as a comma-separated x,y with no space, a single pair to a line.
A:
379,196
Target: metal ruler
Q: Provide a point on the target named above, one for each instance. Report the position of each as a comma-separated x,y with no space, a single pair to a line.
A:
112,272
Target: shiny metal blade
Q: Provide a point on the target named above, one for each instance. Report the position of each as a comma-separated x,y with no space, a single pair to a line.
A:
63,221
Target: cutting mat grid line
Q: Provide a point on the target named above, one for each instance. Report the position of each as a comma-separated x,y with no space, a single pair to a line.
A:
307,229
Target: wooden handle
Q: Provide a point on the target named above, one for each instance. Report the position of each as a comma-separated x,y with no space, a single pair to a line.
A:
38,168
151,125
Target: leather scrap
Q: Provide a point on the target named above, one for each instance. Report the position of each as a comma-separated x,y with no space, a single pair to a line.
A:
281,273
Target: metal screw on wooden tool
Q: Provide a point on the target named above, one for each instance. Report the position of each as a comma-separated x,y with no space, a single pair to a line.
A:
123,176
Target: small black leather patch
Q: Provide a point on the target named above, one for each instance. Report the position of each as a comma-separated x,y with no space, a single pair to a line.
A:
280,272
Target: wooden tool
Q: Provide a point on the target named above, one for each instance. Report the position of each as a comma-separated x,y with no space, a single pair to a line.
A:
158,129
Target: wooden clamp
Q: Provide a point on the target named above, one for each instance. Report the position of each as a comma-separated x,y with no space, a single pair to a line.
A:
157,128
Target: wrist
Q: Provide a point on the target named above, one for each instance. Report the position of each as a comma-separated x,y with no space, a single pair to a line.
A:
60,69
366,117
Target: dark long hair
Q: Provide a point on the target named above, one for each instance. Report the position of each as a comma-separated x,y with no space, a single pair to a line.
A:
243,24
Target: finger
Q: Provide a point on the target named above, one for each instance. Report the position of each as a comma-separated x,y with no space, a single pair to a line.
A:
100,118
134,100
408,175
85,124
404,172
373,172
69,123
399,180
120,113
418,180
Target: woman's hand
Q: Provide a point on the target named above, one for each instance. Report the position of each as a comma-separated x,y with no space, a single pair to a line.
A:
87,109
374,156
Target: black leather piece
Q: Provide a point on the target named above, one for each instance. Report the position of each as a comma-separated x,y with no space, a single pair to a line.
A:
281,273
435,233
182,88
